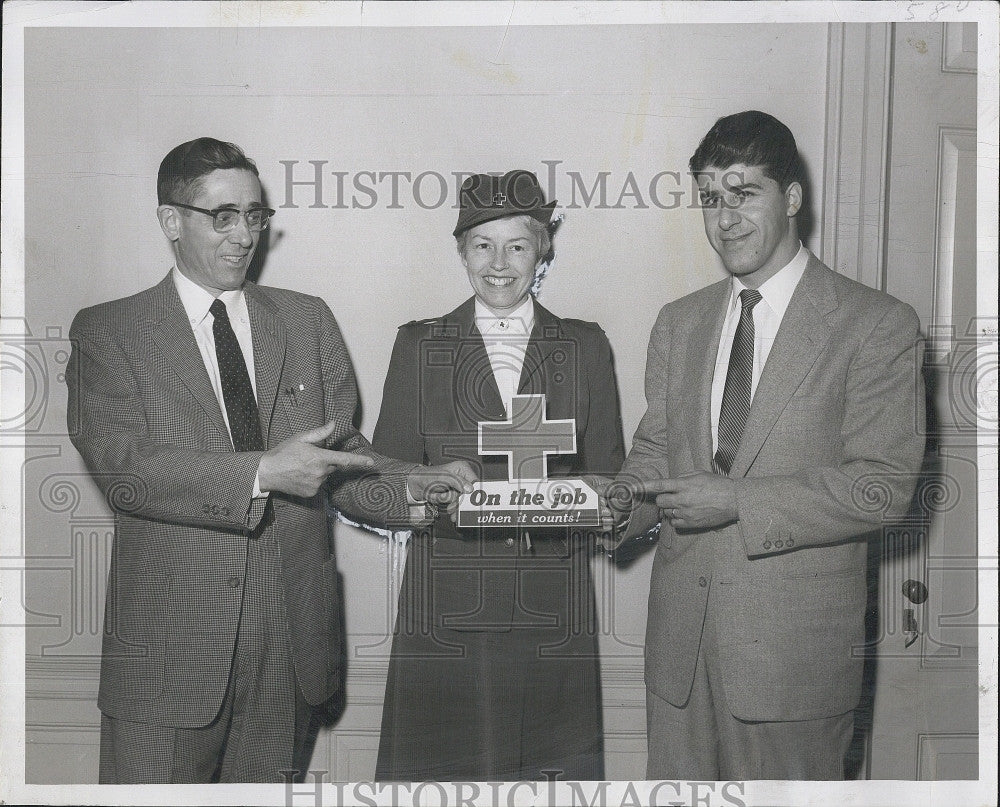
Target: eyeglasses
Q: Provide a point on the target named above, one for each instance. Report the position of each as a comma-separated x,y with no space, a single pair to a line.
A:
225,219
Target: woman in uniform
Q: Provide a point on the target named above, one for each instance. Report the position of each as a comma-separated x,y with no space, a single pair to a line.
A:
494,672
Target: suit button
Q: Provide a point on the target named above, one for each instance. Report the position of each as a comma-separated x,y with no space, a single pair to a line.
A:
234,582
778,544
702,582
767,544
509,542
790,542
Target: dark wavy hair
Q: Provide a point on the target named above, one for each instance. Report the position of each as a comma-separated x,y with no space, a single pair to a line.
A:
180,174
751,138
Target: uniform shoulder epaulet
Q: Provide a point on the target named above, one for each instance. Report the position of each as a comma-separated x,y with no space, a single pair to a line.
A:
420,322
584,323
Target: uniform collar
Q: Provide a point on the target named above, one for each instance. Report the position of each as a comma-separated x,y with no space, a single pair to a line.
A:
519,322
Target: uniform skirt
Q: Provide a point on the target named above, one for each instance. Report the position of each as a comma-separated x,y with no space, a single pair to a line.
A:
494,673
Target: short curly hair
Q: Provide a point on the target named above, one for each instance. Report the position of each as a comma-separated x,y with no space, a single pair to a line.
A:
751,138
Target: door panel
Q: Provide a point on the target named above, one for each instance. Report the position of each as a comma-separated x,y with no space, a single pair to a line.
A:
923,697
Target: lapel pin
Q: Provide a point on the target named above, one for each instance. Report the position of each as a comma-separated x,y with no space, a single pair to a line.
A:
293,392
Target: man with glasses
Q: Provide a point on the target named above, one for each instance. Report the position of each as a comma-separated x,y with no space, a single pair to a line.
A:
216,416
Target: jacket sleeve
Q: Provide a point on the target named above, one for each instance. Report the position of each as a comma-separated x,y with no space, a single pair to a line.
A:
882,437
379,496
398,432
603,450
647,458
139,476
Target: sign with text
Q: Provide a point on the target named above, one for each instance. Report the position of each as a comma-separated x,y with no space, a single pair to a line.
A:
528,498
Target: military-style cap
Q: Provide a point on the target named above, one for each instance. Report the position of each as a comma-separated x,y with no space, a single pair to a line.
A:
485,198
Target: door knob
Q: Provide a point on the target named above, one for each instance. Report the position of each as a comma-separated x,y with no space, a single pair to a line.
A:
915,592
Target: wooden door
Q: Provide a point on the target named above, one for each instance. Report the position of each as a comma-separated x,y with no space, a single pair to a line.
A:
922,699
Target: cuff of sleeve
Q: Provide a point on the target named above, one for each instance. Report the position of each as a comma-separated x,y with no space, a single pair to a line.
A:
418,510
411,500
419,515
758,535
643,517
257,493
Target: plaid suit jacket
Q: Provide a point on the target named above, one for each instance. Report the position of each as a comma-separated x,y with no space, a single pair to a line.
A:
831,448
145,419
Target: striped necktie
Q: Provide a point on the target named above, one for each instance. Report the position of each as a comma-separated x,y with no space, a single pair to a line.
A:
739,380
237,392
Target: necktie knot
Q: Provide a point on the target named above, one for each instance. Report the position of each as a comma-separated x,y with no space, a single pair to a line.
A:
218,310
749,298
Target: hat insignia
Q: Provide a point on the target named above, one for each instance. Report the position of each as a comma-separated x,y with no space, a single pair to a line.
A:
499,199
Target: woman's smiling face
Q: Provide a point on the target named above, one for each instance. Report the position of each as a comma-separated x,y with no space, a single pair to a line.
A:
500,257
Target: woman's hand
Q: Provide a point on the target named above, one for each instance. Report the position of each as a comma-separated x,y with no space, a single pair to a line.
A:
442,485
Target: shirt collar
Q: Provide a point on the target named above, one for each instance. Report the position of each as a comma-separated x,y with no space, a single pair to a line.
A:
519,322
777,290
197,301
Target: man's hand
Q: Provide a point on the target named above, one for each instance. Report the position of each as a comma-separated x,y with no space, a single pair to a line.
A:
299,466
441,485
695,501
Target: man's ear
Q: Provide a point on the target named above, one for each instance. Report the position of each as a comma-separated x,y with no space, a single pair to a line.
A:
170,221
793,199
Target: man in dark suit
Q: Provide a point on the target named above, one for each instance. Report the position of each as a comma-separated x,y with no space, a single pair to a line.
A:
212,413
783,427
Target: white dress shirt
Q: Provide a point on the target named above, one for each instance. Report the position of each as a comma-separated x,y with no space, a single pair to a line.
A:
196,302
775,292
506,340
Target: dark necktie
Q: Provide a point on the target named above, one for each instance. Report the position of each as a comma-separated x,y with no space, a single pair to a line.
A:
739,380
241,408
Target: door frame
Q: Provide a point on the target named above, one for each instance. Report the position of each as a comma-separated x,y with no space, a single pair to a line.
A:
853,215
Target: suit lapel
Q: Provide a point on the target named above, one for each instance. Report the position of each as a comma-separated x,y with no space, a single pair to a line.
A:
475,386
540,373
268,352
801,338
172,334
703,347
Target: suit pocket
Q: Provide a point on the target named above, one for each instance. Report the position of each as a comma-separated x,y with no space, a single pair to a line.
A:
135,634
818,563
303,407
